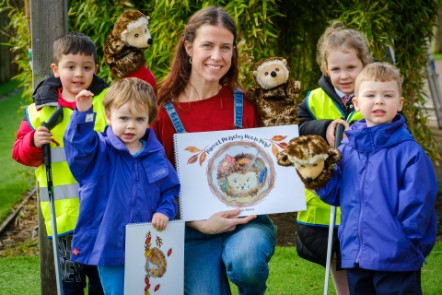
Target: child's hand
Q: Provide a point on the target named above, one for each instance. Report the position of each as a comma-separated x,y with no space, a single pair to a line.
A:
159,221
42,136
331,129
84,100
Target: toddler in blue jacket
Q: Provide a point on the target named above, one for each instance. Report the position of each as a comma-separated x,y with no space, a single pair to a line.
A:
386,187
123,173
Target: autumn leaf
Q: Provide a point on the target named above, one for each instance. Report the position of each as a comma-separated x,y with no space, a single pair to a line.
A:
202,158
278,137
275,150
283,145
192,159
192,149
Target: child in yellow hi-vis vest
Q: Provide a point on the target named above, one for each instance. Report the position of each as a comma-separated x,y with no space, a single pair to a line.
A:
74,65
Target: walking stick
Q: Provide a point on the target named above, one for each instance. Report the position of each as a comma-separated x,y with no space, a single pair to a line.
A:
338,138
56,117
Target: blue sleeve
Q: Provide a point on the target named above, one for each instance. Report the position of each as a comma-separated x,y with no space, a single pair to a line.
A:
81,144
417,197
170,189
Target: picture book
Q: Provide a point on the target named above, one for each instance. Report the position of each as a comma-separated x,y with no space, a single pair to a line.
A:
154,262
224,170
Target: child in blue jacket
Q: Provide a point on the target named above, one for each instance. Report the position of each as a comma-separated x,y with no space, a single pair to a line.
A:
386,187
123,173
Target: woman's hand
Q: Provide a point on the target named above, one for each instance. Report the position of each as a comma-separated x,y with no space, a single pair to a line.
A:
221,222
331,131
160,221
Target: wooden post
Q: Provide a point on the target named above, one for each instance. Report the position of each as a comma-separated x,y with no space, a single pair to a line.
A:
48,22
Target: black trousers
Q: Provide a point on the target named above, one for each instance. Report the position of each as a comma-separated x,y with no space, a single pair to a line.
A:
369,282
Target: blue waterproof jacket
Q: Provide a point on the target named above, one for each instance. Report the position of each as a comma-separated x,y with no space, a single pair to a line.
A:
116,188
386,187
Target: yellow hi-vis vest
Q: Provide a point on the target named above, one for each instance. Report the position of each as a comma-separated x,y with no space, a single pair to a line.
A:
322,107
65,186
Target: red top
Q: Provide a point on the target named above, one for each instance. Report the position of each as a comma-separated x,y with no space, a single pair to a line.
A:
212,114
145,74
24,150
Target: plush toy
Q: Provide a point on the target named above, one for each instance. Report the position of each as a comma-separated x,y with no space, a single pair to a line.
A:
274,93
313,159
125,45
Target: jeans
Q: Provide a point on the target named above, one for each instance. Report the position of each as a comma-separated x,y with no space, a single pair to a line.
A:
241,256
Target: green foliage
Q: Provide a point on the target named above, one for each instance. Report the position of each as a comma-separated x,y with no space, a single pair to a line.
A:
19,35
268,28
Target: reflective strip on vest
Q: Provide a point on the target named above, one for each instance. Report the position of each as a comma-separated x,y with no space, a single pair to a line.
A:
61,192
58,155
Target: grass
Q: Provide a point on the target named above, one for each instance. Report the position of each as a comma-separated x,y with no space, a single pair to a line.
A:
289,274
16,178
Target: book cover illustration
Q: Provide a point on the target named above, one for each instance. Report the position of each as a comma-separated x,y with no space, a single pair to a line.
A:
154,260
224,170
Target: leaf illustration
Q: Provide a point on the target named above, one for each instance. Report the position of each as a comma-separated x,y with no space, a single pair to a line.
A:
278,137
192,159
275,150
283,145
202,158
192,149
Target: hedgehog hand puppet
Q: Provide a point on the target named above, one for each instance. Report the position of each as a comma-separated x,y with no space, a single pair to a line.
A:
313,159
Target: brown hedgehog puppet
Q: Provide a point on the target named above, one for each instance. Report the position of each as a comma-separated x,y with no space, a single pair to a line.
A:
125,45
274,93
313,159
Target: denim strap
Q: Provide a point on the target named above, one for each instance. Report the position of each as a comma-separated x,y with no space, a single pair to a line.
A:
238,112
174,117
237,93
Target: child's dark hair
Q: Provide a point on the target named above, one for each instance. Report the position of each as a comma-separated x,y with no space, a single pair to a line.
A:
137,92
338,36
73,43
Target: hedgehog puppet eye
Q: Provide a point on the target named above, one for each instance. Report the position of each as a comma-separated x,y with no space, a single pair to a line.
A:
136,35
266,73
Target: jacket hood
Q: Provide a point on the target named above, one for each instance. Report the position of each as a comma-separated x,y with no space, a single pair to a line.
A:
46,92
151,144
370,139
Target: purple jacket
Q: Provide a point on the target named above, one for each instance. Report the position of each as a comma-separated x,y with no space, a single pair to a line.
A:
386,187
116,188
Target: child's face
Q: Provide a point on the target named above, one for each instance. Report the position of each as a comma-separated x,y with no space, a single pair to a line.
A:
343,66
76,72
378,101
128,124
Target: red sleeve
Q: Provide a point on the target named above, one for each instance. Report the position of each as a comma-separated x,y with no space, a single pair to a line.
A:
24,150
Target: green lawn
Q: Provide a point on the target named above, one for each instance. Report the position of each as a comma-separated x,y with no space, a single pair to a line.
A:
16,178
289,275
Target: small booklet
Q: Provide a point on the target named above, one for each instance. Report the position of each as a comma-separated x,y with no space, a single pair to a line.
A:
154,261
224,170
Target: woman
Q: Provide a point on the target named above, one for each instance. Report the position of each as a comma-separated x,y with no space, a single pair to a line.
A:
199,91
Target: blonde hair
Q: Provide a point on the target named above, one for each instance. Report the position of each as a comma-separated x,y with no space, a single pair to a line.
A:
338,36
134,91
381,72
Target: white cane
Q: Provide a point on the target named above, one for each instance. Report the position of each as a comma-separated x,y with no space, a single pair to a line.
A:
338,138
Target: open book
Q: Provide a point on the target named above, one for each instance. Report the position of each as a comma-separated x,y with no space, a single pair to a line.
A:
223,170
